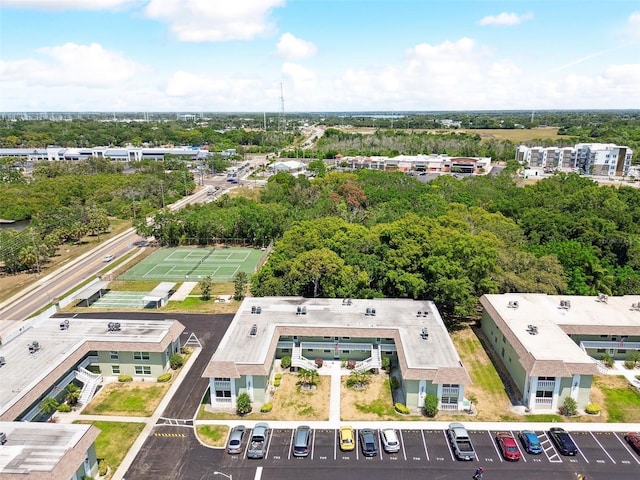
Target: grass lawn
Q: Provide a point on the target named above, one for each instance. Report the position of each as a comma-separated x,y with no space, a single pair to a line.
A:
195,305
622,401
374,402
213,435
134,399
114,441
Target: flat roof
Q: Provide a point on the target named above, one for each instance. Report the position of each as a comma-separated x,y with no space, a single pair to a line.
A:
44,450
432,359
62,349
584,315
90,290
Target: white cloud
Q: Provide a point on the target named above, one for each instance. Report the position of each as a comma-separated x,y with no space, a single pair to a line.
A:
505,18
292,48
634,19
302,79
72,65
68,4
215,20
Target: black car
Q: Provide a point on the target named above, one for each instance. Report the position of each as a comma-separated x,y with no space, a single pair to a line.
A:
368,442
563,441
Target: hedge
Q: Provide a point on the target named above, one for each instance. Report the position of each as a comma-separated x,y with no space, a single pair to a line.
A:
267,407
165,377
401,408
125,378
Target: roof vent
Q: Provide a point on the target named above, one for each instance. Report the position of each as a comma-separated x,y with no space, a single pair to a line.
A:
34,347
254,330
424,333
532,329
603,298
422,313
513,304
3,362
256,310
65,324
347,301
113,326
3,438
565,304
635,306
370,312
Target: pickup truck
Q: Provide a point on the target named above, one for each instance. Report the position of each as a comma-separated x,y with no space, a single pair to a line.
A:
259,441
460,442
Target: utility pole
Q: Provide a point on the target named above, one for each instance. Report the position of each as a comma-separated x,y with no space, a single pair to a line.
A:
281,121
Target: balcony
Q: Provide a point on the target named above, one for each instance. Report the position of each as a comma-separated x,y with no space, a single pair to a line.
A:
543,401
222,384
448,406
450,391
543,384
222,400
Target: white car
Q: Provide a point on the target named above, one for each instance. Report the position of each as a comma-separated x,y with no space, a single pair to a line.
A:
390,441
108,258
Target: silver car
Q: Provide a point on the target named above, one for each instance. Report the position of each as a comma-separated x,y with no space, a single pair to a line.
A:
390,441
236,437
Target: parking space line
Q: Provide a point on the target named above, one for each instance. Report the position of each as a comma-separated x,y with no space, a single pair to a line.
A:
258,475
603,449
582,454
495,446
404,451
555,455
335,444
380,449
626,447
357,434
291,444
515,439
270,439
313,443
446,440
424,442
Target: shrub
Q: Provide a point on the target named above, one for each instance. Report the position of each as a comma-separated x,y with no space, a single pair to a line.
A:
176,361
393,383
278,376
243,404
592,409
267,407
165,377
607,360
64,407
277,382
431,405
285,362
569,407
632,360
102,468
629,364
386,363
125,378
401,408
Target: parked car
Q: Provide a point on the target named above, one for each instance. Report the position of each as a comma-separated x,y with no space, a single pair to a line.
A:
236,438
530,442
508,446
347,439
259,441
368,442
634,440
563,441
108,258
301,441
390,442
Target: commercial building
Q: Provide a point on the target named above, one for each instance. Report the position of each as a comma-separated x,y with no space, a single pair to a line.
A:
551,345
433,163
265,329
604,159
119,154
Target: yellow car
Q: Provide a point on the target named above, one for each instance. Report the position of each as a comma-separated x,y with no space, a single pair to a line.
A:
347,439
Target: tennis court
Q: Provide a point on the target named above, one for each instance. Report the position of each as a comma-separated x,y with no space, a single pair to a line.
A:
121,300
193,264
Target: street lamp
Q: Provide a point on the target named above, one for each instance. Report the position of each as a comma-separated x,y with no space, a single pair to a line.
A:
224,475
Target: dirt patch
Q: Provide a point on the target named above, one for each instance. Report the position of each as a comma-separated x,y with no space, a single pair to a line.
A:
290,402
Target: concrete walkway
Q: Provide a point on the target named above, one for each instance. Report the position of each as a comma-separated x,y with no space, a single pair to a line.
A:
333,369
183,291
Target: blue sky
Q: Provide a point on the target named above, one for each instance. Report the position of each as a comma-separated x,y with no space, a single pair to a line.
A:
328,55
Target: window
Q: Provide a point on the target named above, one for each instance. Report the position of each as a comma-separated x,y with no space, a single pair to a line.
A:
346,338
326,338
142,369
326,351
622,350
141,355
113,355
604,336
223,393
346,351
601,350
221,379
115,369
544,394
285,350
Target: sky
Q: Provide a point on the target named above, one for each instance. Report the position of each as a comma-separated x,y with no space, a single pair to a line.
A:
318,55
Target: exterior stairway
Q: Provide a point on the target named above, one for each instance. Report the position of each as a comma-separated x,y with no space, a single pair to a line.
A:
90,382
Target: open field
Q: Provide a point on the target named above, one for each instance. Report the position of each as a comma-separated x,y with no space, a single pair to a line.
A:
515,135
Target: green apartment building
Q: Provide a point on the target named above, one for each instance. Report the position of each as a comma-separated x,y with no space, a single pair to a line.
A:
265,329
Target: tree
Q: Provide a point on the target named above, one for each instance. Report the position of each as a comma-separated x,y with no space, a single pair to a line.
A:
176,361
308,378
240,281
243,404
359,379
72,394
48,405
431,405
206,286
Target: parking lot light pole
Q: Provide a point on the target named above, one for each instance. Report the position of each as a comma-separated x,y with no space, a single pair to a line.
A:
224,475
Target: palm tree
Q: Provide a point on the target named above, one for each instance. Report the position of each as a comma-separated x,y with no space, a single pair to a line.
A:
49,405
73,393
308,378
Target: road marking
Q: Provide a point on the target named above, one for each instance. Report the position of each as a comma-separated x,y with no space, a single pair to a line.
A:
585,458
495,446
424,442
603,449
258,474
290,444
446,439
313,443
404,452
515,439
169,435
626,447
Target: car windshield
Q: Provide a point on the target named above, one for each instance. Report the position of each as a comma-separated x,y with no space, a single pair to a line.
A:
235,442
512,449
370,446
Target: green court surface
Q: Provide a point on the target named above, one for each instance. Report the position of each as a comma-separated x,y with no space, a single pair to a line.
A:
121,300
193,264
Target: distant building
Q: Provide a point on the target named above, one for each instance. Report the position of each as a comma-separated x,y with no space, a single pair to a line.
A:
265,329
433,163
550,345
605,159
120,154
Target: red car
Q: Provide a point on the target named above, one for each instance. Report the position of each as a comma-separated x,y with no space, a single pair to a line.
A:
508,446
634,440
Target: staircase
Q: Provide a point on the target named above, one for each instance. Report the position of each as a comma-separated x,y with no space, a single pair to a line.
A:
90,382
374,361
297,360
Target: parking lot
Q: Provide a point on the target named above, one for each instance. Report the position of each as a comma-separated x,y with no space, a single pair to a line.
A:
431,447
